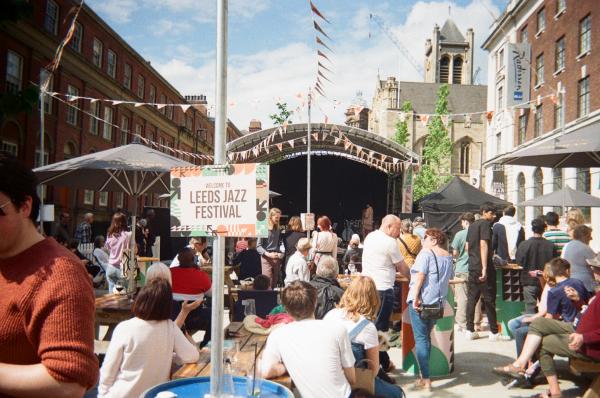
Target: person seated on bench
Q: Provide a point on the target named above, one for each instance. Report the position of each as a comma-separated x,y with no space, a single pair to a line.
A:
579,340
264,298
190,283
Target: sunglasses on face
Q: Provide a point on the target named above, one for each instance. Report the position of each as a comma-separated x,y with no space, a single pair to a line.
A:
2,206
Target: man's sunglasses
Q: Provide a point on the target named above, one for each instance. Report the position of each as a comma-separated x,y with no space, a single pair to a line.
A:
2,206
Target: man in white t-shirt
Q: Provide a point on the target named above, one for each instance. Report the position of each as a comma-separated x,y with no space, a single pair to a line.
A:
316,353
381,260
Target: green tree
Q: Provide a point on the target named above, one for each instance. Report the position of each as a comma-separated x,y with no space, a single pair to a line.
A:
436,152
282,115
401,136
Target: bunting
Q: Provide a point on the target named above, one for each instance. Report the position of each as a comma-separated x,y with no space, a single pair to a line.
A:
318,28
317,12
321,45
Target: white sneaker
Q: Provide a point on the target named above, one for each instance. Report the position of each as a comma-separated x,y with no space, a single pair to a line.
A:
498,337
472,335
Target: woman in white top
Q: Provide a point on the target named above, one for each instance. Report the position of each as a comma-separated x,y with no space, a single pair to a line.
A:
118,241
324,241
356,311
141,349
297,267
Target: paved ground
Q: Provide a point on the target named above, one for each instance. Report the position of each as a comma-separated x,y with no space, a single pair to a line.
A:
472,376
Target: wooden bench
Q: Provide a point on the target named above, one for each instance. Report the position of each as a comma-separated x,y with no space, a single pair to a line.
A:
246,342
579,366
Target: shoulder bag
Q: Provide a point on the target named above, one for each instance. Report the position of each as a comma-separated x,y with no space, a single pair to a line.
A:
406,247
436,310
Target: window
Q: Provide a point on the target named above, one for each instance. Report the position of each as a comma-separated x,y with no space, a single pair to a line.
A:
584,184
103,199
152,94
538,190
72,110
69,151
500,97
107,127
539,70
539,121
127,76
585,34
559,55
524,35
444,69
465,157
558,120
88,197
97,53
44,74
118,196
111,63
140,86
583,92
169,112
95,113
124,130
561,5
522,128
10,147
557,184
541,21
14,72
457,64
498,143
38,161
163,100
51,17
138,130
521,197
77,38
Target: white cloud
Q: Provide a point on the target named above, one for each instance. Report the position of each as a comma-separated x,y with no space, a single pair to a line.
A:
205,10
118,11
170,27
259,80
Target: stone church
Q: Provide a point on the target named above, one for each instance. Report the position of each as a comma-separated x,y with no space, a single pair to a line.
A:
448,59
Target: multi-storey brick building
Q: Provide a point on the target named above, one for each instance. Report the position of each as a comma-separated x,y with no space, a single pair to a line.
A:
97,63
561,35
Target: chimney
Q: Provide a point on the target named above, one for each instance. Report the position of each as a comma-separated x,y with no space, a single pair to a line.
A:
198,102
255,125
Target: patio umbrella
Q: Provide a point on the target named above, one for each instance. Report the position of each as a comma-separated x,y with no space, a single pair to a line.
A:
566,197
134,169
579,148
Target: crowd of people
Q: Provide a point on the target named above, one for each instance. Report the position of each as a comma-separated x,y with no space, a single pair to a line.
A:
338,332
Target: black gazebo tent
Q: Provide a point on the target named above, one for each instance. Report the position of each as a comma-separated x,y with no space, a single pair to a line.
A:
444,207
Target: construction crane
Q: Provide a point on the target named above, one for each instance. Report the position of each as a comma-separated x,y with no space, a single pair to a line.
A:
397,43
476,75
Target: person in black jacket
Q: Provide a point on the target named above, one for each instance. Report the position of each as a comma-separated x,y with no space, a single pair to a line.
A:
532,255
249,261
329,291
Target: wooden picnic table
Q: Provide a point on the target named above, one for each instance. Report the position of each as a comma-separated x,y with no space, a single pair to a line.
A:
246,341
110,310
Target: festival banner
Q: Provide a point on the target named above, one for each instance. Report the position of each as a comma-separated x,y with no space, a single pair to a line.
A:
228,200
407,190
518,73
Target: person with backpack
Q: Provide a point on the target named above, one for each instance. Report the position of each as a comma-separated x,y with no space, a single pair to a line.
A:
356,311
408,243
329,291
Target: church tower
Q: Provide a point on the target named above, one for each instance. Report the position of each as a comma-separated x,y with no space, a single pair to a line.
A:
449,56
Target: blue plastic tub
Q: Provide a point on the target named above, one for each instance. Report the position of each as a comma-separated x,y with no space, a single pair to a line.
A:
196,387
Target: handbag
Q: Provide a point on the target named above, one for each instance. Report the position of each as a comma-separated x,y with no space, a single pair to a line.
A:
436,310
365,377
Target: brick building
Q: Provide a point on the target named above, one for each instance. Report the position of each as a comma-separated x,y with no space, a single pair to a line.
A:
97,63
561,35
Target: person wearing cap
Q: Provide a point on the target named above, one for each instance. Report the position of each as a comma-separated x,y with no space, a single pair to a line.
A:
199,246
419,227
297,267
532,255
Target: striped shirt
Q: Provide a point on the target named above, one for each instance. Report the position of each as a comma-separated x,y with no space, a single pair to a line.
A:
559,239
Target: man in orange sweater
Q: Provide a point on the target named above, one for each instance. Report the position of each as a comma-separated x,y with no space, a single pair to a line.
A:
46,300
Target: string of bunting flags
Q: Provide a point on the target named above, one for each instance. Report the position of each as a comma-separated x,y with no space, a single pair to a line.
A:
154,144
370,156
320,34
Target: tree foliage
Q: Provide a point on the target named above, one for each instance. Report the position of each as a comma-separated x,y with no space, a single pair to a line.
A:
401,136
282,115
437,151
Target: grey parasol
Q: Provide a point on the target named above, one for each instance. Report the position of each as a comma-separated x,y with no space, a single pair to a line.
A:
566,197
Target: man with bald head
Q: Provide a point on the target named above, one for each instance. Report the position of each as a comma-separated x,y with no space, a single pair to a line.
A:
381,260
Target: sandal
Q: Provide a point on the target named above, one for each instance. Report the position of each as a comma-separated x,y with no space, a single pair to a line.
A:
510,371
420,385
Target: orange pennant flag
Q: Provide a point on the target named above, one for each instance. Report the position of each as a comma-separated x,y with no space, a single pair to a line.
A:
317,12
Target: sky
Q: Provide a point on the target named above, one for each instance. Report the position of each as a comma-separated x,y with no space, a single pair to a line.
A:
272,54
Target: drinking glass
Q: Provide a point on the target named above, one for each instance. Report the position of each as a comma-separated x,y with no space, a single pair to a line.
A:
249,307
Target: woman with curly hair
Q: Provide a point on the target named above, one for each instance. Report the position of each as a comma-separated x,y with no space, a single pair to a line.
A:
356,311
